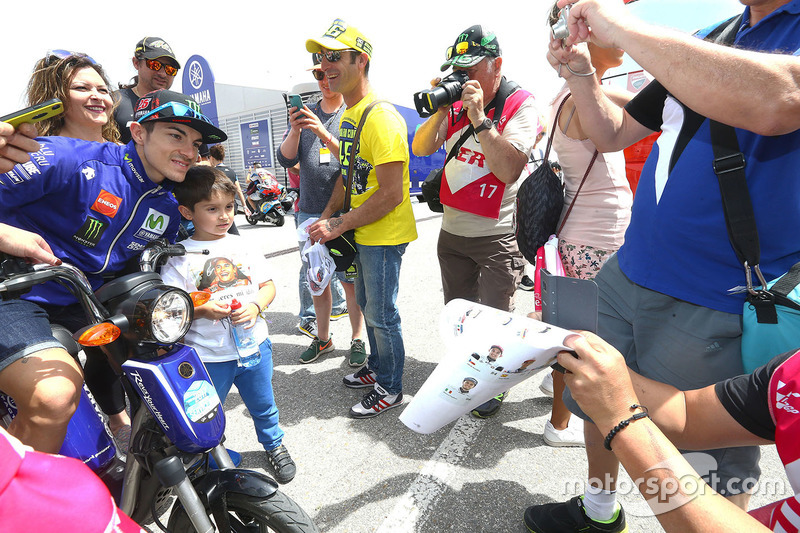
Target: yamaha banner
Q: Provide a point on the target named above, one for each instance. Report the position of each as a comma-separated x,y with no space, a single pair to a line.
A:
198,82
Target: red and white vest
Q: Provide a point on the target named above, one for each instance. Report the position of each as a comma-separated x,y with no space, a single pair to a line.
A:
467,183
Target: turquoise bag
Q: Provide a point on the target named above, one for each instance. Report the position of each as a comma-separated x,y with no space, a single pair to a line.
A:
771,320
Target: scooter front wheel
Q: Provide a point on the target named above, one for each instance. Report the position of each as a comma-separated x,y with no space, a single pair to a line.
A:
278,513
252,218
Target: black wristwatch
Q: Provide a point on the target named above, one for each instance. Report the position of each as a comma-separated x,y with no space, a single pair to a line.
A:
485,125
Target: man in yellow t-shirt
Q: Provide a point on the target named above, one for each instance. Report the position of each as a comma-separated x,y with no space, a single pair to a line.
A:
381,214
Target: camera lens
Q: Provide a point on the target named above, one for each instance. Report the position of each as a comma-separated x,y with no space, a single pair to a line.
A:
446,93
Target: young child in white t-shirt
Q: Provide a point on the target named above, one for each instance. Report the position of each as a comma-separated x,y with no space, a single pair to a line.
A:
230,271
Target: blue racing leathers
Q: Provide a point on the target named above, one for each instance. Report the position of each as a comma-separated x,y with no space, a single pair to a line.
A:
92,202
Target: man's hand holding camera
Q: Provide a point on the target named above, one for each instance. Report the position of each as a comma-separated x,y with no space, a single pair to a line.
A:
472,98
597,21
568,60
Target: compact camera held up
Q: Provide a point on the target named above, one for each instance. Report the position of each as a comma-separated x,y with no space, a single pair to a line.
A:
559,28
446,93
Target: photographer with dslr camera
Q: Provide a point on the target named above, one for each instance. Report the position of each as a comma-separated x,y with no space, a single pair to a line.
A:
490,132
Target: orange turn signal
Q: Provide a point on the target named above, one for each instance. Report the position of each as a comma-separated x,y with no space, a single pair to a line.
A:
199,298
99,335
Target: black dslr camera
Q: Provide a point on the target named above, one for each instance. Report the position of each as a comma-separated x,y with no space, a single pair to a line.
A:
447,92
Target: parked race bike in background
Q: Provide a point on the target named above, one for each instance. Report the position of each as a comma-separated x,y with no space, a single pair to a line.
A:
271,199
178,421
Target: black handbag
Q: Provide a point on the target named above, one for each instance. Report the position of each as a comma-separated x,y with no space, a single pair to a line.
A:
343,248
431,188
540,200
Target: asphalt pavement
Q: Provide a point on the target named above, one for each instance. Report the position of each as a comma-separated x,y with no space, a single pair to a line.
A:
376,475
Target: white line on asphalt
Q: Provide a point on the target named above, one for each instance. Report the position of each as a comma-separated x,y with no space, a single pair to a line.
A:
411,511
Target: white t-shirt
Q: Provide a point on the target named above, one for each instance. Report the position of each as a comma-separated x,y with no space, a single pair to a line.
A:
231,270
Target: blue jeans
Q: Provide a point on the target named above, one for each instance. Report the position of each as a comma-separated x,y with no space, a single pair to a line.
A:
307,312
25,331
255,388
376,291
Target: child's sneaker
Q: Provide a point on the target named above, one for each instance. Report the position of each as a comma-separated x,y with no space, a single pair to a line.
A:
358,353
282,464
363,378
317,348
375,402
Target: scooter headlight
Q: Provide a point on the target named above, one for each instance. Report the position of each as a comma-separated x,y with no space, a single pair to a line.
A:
171,316
165,314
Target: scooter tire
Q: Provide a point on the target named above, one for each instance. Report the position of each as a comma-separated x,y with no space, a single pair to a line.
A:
279,513
252,219
279,220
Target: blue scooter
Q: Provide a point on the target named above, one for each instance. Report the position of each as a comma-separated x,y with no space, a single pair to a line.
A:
178,421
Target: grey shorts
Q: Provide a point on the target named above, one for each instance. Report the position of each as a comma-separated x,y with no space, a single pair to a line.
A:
25,330
674,342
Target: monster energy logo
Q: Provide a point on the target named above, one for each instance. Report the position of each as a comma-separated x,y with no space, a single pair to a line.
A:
194,106
90,233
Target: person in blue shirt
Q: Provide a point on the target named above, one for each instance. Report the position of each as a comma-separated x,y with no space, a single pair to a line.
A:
96,205
671,298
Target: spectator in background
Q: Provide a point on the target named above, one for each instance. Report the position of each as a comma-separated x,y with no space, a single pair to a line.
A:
595,227
477,249
203,155
312,142
216,159
381,215
156,68
82,86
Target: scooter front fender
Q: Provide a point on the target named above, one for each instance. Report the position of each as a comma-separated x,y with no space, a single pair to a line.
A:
212,486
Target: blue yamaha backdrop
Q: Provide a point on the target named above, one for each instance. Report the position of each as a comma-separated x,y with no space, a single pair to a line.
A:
198,82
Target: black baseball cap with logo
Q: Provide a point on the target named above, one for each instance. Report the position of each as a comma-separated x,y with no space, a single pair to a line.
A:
169,106
472,45
153,48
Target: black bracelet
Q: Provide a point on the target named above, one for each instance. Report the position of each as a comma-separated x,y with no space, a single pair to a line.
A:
625,423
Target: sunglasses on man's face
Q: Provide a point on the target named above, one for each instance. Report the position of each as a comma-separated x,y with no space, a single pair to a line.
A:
318,74
155,64
332,55
55,55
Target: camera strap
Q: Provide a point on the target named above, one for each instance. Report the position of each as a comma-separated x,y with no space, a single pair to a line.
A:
499,100
505,90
